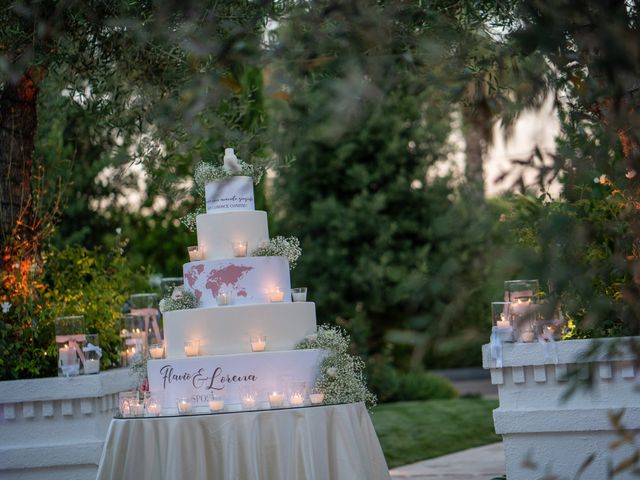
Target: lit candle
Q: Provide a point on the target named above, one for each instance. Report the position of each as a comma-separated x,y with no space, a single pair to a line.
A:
223,298
296,399
156,351
192,348
316,398
276,295
125,408
248,402
91,366
503,323
66,355
240,249
259,343
276,399
527,336
184,405
153,409
195,253
216,405
136,409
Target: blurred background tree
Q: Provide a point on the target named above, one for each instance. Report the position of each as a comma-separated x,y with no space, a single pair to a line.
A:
359,104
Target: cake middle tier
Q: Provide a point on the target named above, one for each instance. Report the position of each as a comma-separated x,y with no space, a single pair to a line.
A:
238,281
217,232
229,330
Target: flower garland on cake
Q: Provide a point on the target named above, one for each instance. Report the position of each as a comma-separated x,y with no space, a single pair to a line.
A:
207,172
280,247
341,376
180,299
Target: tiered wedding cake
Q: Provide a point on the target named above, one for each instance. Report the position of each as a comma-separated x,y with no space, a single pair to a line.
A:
239,342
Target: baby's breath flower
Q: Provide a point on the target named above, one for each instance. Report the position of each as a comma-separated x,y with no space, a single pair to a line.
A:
280,247
341,374
180,300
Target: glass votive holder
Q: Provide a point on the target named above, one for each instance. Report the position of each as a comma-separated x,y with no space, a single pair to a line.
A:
153,408
258,343
240,249
195,254
125,400
184,405
299,294
276,295
316,397
297,393
92,354
276,399
501,318
156,351
136,407
70,338
248,399
192,348
216,402
223,298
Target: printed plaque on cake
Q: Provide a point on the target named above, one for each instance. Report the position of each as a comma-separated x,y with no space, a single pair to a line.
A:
230,375
229,195
238,281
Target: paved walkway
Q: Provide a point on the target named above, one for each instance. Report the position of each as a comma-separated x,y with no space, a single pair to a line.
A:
481,463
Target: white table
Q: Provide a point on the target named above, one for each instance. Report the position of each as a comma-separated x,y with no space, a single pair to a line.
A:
314,443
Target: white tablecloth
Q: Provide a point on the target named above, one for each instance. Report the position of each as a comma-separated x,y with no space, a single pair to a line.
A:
316,443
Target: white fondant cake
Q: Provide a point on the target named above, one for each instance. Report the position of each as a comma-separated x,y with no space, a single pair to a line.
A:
248,280
224,330
217,232
257,303
231,376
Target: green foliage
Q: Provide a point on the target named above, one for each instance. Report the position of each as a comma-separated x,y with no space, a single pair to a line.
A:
75,281
424,386
406,429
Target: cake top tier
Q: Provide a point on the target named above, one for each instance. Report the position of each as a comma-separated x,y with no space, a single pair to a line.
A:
228,187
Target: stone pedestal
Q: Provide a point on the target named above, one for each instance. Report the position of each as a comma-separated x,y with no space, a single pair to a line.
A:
56,427
545,433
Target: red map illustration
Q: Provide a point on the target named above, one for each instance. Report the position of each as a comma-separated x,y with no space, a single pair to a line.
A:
192,275
228,276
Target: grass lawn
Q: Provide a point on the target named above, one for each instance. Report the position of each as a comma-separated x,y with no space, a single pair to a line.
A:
414,431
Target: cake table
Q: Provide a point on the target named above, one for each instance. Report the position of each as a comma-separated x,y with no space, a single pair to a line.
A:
331,442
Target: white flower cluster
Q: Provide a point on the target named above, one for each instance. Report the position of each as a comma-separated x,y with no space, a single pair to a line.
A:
189,220
341,374
206,172
179,300
280,247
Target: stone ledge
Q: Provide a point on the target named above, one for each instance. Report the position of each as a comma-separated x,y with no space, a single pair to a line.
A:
61,388
576,420
569,351
85,453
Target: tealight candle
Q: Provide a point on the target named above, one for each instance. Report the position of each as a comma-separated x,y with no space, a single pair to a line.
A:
276,295
125,408
216,404
156,351
296,399
316,398
527,336
195,253
153,409
136,409
223,298
240,249
258,343
248,402
276,399
192,348
184,405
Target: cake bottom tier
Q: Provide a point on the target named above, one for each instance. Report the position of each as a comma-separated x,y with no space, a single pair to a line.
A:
234,377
